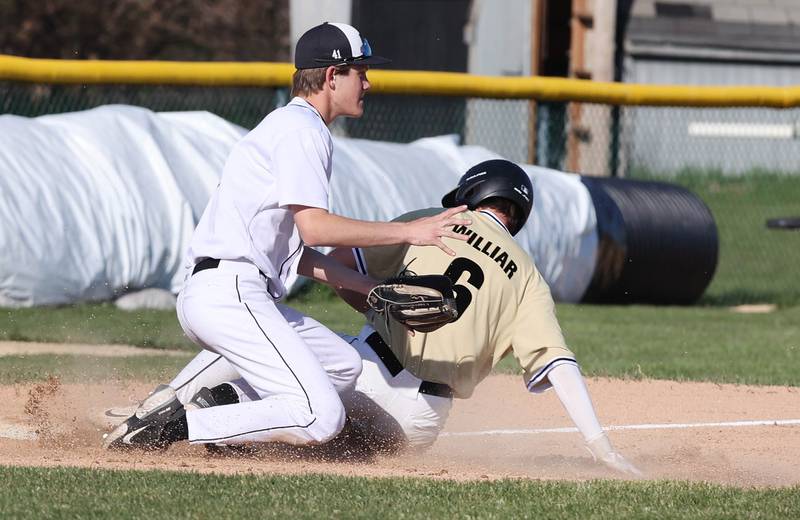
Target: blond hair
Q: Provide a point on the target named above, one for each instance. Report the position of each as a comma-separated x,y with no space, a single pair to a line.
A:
310,81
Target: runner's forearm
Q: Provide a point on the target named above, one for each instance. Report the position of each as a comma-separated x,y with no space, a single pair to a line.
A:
327,270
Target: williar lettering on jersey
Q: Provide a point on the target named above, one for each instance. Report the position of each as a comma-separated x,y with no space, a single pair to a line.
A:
486,247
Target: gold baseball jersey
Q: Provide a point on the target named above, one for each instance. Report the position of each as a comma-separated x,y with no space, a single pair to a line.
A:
504,307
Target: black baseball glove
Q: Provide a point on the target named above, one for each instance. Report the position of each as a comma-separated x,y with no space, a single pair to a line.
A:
422,303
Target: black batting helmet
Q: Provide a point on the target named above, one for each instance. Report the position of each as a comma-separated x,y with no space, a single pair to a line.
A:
494,178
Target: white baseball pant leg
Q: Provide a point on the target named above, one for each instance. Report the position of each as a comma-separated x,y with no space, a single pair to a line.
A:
391,407
209,369
229,311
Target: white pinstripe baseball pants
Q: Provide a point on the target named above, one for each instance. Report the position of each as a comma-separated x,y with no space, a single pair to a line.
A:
290,360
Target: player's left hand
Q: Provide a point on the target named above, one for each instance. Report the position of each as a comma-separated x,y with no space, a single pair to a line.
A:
421,303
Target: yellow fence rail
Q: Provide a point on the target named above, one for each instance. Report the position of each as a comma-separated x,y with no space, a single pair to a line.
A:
13,68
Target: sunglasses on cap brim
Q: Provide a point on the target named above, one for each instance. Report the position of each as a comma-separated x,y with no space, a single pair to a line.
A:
366,52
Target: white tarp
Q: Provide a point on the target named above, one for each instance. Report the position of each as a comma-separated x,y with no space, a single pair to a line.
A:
378,181
101,202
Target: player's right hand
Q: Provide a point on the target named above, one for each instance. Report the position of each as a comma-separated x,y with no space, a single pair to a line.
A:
429,231
602,451
619,463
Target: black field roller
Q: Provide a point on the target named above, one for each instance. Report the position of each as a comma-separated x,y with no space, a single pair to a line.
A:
657,244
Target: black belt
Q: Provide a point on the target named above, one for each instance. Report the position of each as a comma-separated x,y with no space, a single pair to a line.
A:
392,364
211,263
206,263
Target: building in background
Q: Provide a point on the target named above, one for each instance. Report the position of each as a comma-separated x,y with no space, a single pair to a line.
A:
305,14
693,42
712,42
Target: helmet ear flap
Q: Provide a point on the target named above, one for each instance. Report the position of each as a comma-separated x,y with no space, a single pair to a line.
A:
466,195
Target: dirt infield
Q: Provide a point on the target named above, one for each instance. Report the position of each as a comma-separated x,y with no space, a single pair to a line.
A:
502,432
22,348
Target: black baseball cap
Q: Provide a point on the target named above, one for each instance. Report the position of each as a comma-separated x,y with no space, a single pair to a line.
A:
334,44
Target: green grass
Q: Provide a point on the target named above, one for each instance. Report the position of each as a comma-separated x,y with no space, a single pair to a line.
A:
692,343
756,264
322,303
100,323
72,369
683,343
94,324
86,493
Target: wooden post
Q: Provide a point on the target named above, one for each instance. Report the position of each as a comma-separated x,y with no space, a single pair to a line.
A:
577,69
602,50
538,12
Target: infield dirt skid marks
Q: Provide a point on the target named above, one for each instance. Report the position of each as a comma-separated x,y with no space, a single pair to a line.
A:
71,415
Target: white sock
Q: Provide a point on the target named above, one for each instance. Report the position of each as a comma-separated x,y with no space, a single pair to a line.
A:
571,390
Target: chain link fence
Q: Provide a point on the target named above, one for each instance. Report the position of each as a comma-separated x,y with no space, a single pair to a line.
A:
743,162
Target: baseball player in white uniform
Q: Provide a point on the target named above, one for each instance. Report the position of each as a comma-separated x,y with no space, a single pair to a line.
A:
272,202
404,393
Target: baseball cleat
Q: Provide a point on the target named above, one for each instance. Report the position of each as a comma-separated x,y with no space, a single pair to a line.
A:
113,417
147,428
204,398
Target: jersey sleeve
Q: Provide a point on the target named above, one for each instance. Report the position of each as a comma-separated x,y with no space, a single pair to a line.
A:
537,341
361,262
382,262
302,162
